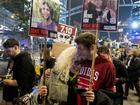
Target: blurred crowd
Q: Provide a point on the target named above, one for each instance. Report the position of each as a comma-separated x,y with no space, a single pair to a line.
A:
68,79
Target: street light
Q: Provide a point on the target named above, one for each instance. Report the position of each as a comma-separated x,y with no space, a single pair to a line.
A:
136,33
135,25
13,16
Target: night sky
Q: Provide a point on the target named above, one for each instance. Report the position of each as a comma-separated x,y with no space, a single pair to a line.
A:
124,13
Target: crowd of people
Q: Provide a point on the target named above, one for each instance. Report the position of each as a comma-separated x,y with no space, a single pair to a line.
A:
66,80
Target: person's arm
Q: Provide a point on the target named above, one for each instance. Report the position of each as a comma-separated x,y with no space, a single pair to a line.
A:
10,82
110,78
43,91
25,73
122,73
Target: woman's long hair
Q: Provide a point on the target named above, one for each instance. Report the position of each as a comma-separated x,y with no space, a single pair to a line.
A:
43,3
65,59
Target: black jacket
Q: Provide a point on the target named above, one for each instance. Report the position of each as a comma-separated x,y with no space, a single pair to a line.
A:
134,69
121,73
24,73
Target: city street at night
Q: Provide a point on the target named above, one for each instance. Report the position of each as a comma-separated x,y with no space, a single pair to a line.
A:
69,52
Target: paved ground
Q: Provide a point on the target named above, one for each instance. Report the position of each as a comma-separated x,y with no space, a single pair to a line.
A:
132,99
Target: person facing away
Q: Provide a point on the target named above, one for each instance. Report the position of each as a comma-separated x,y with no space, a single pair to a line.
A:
133,73
23,69
121,74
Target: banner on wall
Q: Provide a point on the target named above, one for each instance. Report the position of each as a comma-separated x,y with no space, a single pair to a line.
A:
44,17
103,12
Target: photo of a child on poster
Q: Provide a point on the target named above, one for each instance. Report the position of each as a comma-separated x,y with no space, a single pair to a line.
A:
103,12
45,15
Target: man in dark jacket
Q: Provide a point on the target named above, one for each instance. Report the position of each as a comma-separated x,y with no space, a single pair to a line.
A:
121,74
133,73
121,78
23,69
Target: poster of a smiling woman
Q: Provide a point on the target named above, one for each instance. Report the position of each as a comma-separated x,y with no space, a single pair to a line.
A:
45,16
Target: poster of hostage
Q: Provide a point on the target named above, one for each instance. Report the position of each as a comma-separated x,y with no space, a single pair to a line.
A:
103,12
45,17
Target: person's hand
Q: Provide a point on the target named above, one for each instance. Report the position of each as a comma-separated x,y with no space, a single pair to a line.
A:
43,91
75,68
90,96
10,82
7,82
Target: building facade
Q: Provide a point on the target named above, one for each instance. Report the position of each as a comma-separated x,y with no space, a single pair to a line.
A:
136,10
6,19
74,12
135,16
63,11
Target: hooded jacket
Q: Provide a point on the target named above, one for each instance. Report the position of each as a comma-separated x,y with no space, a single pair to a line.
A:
104,78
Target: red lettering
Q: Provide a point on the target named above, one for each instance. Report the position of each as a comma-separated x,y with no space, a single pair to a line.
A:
34,31
38,32
90,26
86,26
44,32
66,29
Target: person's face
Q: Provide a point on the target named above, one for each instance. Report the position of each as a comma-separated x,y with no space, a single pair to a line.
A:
11,52
98,3
83,51
45,10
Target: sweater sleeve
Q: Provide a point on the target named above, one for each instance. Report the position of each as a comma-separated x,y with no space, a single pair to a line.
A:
110,77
